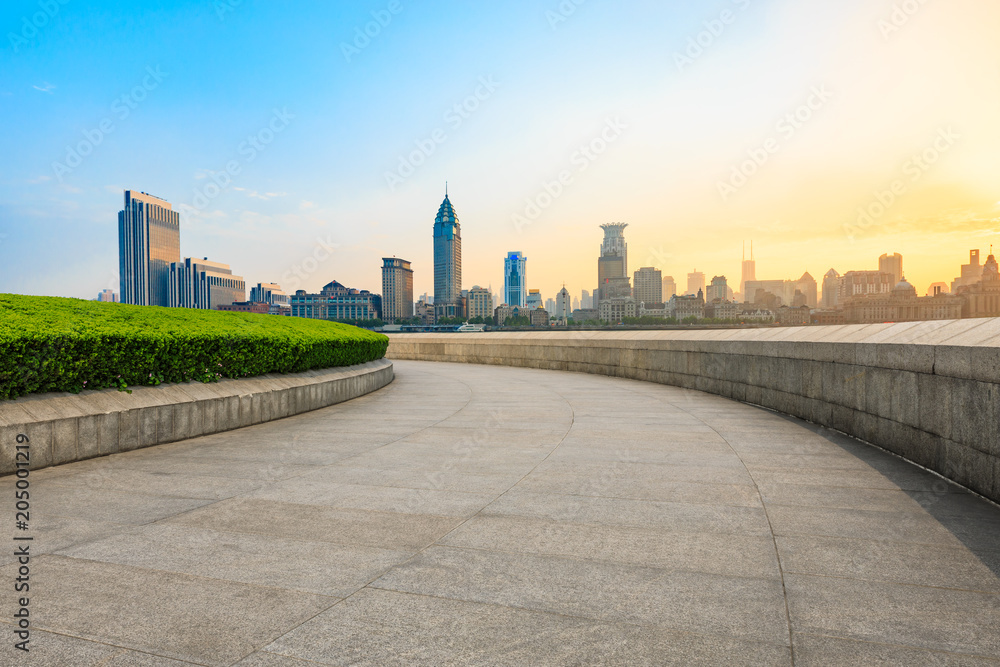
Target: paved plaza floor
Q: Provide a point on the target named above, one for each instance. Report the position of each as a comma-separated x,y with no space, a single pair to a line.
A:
479,515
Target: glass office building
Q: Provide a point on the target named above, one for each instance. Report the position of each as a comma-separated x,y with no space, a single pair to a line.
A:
447,262
149,240
515,267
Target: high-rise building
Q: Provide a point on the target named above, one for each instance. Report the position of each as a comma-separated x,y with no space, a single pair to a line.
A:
269,293
612,265
696,282
447,262
515,275
892,264
669,288
719,289
586,301
149,240
831,289
200,283
647,286
108,296
550,305
807,285
564,304
397,289
534,299
480,303
749,271
971,272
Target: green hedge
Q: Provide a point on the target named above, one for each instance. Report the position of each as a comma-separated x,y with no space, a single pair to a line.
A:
55,344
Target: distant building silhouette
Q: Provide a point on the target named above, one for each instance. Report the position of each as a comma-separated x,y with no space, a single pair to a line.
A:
696,282
749,271
892,264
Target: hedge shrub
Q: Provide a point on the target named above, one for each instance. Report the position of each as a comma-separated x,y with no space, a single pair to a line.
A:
56,344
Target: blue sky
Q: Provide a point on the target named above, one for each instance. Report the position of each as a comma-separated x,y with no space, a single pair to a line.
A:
548,80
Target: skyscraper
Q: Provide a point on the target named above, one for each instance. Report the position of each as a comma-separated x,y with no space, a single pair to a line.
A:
534,299
831,289
647,286
397,289
892,264
719,289
447,262
669,287
564,305
612,265
749,271
149,239
515,276
696,282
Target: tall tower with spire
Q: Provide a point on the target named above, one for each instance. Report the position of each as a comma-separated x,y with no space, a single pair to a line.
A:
447,262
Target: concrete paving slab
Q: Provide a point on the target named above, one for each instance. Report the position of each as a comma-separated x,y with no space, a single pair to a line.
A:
205,621
424,523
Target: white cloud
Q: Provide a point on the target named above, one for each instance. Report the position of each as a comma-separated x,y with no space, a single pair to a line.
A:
46,88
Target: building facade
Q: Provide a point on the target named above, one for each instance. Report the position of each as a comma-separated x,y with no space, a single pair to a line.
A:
970,274
564,304
447,262
271,294
149,241
397,289
515,279
982,299
893,265
831,290
901,305
687,306
108,296
612,264
480,303
696,282
336,302
647,286
534,299
203,284
719,289
749,270
669,288
616,309
863,283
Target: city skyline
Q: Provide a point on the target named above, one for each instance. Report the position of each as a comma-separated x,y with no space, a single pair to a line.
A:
657,146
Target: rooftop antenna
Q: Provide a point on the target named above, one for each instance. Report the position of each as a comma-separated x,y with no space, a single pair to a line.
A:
446,189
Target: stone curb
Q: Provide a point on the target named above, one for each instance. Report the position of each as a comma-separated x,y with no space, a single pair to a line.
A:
65,427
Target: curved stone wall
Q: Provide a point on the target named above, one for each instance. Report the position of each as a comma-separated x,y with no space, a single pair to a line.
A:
66,427
927,391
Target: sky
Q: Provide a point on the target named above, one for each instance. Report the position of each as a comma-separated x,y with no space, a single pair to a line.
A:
304,141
